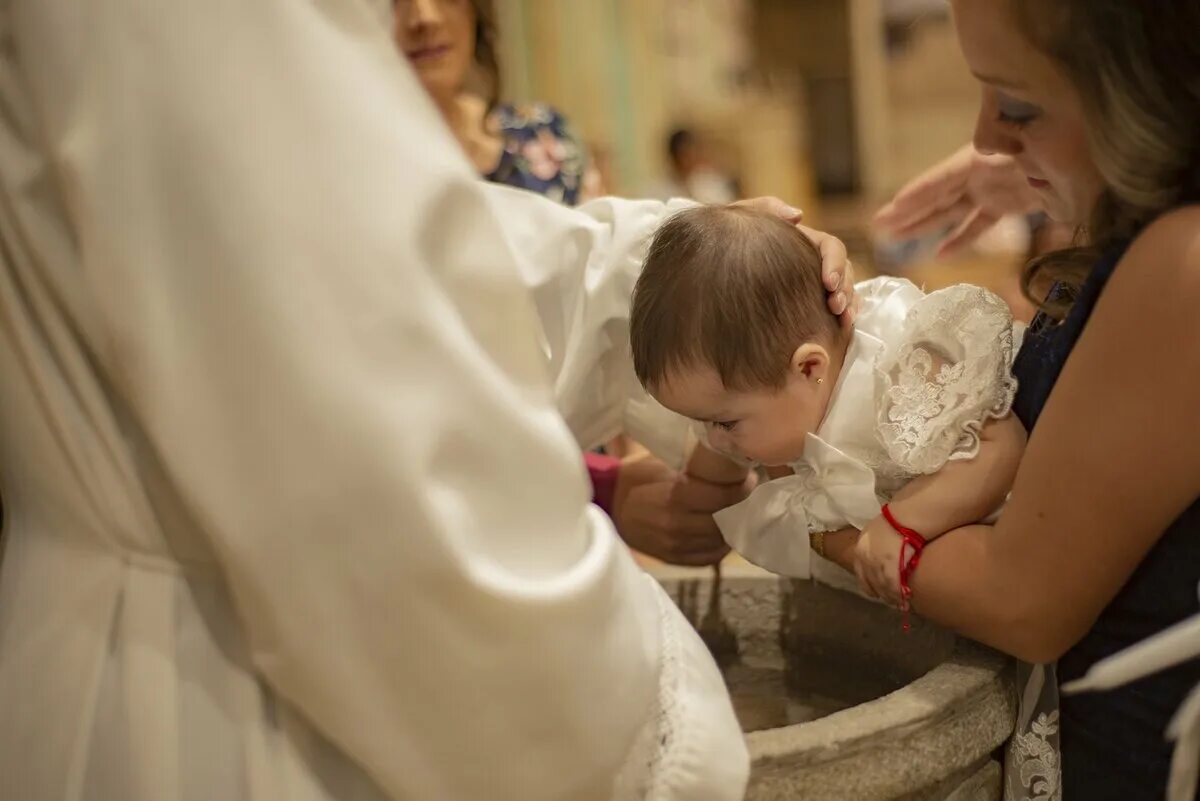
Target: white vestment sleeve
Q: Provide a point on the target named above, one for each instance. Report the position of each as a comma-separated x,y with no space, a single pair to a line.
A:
581,265
312,315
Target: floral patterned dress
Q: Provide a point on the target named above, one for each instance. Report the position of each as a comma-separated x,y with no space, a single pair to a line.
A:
540,154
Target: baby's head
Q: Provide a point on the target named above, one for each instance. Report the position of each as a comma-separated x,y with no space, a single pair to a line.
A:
730,327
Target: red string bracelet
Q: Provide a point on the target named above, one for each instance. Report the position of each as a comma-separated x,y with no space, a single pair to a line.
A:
908,565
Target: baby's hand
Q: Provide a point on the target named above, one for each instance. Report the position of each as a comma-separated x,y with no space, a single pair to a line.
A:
877,561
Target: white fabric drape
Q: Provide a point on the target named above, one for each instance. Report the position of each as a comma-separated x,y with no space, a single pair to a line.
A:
292,512
581,269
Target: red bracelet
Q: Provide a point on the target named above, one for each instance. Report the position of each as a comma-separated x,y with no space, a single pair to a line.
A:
908,564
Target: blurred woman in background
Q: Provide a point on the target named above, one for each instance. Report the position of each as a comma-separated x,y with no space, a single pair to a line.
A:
451,45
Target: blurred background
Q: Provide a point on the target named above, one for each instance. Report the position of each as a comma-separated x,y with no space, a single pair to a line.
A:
829,104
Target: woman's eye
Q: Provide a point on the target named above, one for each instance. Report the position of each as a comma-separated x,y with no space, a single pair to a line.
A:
1015,112
726,426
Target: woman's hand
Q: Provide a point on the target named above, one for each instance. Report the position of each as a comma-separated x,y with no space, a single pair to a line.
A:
968,190
836,270
668,515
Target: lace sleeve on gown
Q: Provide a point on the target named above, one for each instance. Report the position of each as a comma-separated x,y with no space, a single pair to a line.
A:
947,374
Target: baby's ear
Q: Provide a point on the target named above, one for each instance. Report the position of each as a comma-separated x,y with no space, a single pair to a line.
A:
811,360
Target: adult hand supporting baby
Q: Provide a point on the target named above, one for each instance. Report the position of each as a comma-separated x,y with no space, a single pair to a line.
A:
836,269
968,192
668,515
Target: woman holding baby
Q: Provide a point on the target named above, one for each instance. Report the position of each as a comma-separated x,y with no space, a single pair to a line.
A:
1091,113
1095,106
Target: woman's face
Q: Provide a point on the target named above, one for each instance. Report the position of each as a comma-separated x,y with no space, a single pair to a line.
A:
1030,110
438,38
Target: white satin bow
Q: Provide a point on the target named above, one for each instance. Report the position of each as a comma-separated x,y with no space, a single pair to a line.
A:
828,491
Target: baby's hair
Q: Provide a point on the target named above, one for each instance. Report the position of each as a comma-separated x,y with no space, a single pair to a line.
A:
730,288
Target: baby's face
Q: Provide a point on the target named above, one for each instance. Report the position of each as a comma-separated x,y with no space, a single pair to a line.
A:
767,426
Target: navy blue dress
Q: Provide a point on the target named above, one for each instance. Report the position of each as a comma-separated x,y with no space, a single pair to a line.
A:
1113,743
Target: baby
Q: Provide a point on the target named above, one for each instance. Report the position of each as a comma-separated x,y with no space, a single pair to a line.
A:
901,427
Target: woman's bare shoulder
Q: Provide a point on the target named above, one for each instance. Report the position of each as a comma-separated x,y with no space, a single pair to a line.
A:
1167,252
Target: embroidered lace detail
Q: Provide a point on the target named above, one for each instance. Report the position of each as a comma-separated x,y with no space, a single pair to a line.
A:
949,375
650,761
1036,762
1033,758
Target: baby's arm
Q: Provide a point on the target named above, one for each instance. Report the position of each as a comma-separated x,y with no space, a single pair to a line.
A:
962,492
967,490
948,369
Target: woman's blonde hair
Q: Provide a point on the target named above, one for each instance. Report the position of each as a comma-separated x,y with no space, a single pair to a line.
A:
1136,66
